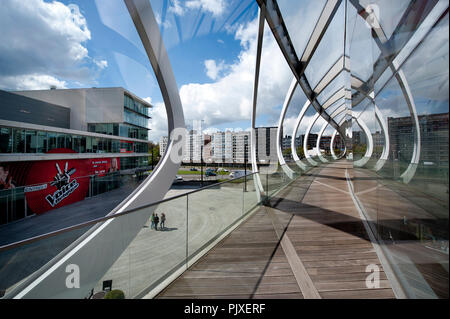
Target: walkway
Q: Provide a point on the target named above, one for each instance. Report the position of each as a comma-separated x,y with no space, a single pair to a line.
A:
310,244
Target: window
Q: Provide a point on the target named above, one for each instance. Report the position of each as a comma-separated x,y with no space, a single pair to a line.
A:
5,140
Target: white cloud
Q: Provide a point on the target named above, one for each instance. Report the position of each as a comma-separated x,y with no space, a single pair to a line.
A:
41,42
213,69
158,122
148,100
176,8
32,82
102,64
166,24
211,130
215,7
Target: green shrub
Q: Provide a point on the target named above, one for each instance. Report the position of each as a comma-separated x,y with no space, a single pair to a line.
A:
115,294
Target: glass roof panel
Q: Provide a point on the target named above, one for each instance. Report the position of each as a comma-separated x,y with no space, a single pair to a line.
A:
275,78
363,51
333,87
331,47
300,18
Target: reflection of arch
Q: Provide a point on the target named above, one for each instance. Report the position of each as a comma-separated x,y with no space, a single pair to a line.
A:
289,172
49,281
384,127
363,161
394,53
333,137
338,111
294,134
331,100
305,141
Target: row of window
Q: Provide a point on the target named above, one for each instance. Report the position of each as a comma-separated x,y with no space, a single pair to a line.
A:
119,129
136,106
13,140
136,119
133,162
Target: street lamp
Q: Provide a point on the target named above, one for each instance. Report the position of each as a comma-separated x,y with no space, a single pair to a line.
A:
201,162
201,151
245,166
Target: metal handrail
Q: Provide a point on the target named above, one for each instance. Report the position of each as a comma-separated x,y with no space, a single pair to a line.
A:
102,219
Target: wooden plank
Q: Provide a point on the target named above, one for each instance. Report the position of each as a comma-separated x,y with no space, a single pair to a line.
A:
314,248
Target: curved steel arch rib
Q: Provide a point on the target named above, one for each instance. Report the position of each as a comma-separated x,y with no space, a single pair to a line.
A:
333,137
256,177
338,111
294,134
90,252
305,141
287,170
387,143
339,66
369,151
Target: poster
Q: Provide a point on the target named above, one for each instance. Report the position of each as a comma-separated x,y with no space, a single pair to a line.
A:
56,183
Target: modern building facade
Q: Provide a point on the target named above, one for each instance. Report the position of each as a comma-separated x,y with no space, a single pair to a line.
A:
48,154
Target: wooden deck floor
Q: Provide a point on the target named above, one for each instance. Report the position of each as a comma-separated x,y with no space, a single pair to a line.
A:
310,244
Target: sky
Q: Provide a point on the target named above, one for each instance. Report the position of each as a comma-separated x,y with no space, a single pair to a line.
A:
212,49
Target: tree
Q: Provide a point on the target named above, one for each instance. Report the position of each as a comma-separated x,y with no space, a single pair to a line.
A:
300,152
153,147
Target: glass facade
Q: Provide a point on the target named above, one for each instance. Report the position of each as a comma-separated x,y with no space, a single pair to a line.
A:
137,122
13,140
136,113
136,106
136,119
119,129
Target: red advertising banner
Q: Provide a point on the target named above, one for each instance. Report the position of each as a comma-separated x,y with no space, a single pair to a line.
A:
53,184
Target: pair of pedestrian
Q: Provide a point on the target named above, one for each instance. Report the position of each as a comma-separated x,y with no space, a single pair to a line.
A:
155,221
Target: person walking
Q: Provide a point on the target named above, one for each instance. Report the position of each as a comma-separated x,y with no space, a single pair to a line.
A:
156,221
153,221
163,221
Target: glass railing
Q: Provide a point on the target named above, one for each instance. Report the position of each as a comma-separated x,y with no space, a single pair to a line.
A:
194,222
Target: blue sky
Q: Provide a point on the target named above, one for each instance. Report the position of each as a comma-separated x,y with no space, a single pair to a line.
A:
212,48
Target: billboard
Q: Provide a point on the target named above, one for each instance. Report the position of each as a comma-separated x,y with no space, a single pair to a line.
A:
56,183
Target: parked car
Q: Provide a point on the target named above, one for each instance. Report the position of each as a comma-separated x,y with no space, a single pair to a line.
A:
210,172
236,174
222,170
193,169
178,179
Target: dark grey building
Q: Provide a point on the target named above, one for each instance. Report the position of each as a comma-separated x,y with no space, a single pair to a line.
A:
14,107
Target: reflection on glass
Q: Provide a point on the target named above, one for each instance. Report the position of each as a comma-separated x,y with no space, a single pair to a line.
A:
407,200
